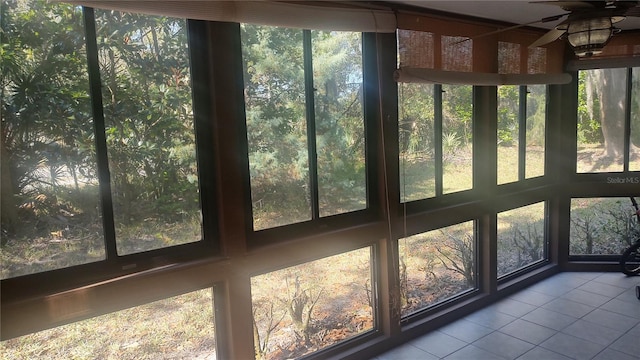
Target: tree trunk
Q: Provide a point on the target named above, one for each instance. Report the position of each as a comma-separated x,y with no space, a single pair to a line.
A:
611,90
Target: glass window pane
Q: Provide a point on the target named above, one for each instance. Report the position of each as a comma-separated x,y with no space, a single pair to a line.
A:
457,138
144,64
601,114
276,125
535,135
50,197
634,150
308,307
417,155
521,238
601,226
181,327
339,116
437,265
508,130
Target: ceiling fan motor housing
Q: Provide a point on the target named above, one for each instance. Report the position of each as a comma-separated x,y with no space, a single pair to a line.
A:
589,36
589,26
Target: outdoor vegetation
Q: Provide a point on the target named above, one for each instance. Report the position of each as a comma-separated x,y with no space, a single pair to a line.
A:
51,213
521,238
418,146
417,113
308,307
297,93
440,264
601,120
51,209
50,202
602,226
437,265
176,328
284,114
510,127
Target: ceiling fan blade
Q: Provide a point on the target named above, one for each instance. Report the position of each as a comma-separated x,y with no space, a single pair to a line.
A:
574,5
547,19
550,36
634,11
543,20
624,4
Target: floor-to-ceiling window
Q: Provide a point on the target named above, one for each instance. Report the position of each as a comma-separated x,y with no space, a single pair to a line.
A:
334,215
601,222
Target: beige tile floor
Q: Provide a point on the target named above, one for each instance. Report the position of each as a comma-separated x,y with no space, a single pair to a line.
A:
572,315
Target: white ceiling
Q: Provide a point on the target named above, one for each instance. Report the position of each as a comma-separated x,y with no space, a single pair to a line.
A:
510,11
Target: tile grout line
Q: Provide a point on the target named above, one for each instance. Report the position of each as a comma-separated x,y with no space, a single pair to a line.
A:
515,305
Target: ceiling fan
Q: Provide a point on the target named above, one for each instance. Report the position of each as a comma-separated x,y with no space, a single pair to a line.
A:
589,24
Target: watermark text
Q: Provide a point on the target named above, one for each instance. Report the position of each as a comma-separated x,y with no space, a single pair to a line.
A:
623,180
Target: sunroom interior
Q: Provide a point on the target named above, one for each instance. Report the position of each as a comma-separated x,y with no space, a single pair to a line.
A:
240,180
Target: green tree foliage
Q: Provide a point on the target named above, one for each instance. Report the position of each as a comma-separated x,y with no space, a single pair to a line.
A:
337,76
589,128
45,108
148,114
536,114
635,109
416,140
508,114
49,169
508,108
416,118
457,112
276,123
277,111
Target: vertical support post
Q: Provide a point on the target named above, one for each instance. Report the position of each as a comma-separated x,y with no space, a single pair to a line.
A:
437,137
95,91
522,132
200,59
627,119
311,124
485,139
381,104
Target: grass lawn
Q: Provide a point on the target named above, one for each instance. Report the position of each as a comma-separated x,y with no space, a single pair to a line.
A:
176,328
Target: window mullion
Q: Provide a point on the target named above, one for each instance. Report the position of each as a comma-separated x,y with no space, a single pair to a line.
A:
95,91
202,112
522,132
627,119
311,124
437,137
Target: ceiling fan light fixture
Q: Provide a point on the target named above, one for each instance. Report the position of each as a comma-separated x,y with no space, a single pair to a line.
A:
589,36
